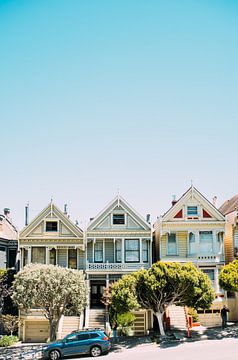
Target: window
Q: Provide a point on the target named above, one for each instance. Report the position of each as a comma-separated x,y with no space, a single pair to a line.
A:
145,251
25,257
132,250
172,245
53,257
192,211
51,226
118,219
83,337
38,255
72,338
192,244
72,258
206,242
98,251
118,251
94,335
209,273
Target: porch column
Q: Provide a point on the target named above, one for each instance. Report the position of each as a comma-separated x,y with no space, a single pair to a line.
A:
47,255
29,255
122,250
150,244
107,280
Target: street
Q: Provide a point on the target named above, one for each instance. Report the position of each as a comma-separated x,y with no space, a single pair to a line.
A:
225,349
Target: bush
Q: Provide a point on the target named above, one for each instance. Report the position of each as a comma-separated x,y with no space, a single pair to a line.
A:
8,340
192,312
125,322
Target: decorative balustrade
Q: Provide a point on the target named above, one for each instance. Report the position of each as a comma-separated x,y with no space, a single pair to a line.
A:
116,266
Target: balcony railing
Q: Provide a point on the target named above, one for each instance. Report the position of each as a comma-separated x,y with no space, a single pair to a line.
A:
116,266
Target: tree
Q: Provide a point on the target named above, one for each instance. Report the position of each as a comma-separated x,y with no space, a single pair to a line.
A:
164,284
10,323
228,278
53,289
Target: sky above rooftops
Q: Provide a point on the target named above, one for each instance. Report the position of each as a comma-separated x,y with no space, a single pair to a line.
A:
100,95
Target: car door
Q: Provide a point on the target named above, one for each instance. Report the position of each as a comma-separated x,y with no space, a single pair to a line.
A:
70,344
83,343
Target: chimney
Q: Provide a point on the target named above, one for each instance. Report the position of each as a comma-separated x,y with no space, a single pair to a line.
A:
91,219
174,201
65,209
6,212
148,218
214,201
27,214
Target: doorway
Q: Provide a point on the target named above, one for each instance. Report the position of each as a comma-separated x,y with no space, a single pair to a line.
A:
96,294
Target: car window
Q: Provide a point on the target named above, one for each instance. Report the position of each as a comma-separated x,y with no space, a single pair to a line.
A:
71,338
94,335
83,337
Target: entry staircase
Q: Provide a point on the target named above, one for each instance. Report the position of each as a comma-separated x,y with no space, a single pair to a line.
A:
97,318
178,319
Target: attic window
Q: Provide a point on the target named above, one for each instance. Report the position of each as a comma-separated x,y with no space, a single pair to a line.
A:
192,211
51,226
118,219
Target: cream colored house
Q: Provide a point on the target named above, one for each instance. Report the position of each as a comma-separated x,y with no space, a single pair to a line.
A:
192,230
119,241
50,238
230,210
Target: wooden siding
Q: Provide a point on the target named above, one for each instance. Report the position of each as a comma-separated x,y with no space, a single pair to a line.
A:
90,252
62,257
182,243
109,251
81,262
228,239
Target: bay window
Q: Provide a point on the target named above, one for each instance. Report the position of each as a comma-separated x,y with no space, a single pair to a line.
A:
145,251
132,250
38,255
72,258
98,251
118,251
191,244
206,242
172,245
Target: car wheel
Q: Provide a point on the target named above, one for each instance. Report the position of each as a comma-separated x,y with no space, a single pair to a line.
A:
96,351
54,355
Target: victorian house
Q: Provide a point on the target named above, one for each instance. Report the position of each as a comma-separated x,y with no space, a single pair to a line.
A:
192,230
8,241
230,210
50,238
118,242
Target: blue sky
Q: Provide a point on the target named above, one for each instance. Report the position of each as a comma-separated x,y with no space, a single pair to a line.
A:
130,94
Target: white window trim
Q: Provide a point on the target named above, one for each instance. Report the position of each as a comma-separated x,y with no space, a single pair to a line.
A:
167,243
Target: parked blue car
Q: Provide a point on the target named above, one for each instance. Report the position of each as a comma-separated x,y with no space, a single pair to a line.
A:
93,342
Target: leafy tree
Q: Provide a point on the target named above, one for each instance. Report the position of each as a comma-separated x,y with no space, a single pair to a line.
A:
228,278
164,284
10,323
51,288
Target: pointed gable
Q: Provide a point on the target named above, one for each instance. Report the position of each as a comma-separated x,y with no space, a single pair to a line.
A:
51,222
118,215
193,206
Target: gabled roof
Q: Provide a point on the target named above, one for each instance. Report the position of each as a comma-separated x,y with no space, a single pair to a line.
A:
192,191
229,205
116,202
51,209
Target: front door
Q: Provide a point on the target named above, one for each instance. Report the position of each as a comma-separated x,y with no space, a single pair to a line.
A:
96,294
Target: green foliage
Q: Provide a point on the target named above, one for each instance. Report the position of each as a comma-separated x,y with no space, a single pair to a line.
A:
124,295
164,284
193,312
8,340
228,278
125,322
53,289
10,323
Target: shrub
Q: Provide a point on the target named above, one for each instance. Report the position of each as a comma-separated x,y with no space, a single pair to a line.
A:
192,312
125,322
8,340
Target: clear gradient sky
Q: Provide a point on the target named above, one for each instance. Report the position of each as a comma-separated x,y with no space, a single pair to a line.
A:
100,94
